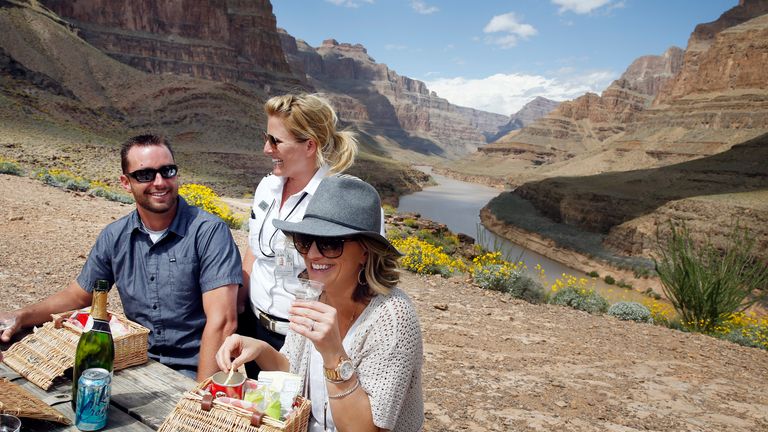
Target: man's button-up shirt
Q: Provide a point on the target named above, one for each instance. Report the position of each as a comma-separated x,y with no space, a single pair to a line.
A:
161,284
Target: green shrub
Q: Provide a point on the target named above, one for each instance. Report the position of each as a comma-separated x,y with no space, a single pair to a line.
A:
622,284
449,242
585,300
105,192
630,311
706,286
593,274
10,167
528,289
495,277
410,222
63,178
389,210
609,280
425,258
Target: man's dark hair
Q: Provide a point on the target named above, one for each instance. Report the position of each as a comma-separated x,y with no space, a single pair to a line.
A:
144,141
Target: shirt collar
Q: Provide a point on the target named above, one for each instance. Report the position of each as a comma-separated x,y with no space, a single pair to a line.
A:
310,188
178,226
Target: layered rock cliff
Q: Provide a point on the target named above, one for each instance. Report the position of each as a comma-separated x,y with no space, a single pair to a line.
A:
583,124
221,40
696,153
381,102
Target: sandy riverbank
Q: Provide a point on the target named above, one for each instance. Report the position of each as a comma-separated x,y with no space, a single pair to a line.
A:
568,257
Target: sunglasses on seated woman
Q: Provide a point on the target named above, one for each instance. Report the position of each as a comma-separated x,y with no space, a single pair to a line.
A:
149,174
329,247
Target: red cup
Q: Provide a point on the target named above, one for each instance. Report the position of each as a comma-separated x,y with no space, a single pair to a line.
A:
221,387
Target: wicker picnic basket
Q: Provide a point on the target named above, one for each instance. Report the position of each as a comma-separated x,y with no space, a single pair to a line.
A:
45,354
16,400
197,413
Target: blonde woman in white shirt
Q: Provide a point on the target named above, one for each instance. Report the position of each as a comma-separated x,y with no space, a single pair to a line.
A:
302,140
359,347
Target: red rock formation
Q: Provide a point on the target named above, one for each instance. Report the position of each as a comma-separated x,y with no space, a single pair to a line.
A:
381,102
222,40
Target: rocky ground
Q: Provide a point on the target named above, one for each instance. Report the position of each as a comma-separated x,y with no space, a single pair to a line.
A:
491,362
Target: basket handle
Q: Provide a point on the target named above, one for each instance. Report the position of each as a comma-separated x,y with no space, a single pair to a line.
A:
206,403
256,418
59,321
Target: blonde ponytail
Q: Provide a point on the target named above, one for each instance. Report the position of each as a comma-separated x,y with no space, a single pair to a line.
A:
310,116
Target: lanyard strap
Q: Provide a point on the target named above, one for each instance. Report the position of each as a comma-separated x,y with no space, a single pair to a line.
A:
261,230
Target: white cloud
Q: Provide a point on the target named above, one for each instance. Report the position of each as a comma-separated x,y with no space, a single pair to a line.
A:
579,6
349,3
510,24
420,7
506,94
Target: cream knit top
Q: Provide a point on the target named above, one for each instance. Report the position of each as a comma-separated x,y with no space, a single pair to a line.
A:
388,354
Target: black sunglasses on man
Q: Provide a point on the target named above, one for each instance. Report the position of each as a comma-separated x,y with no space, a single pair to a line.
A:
147,175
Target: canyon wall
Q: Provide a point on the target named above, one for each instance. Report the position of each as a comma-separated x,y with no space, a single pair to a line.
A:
221,40
381,102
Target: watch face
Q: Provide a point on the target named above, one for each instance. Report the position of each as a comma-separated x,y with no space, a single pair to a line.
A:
346,369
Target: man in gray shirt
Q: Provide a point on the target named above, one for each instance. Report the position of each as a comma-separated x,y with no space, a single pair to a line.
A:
176,267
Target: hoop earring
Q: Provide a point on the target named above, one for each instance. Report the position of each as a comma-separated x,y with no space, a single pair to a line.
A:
361,278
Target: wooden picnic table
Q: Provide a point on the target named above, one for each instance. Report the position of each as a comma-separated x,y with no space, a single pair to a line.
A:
142,396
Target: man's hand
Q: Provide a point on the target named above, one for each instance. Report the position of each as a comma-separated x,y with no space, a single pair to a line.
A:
9,324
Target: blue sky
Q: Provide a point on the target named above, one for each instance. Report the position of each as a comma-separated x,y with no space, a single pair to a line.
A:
498,55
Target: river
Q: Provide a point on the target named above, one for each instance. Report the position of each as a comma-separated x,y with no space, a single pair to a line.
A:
457,204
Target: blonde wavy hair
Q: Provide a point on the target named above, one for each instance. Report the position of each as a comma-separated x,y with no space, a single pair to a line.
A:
310,116
380,273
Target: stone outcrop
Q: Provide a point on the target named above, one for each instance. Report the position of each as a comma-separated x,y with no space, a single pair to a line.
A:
537,108
221,40
380,102
587,122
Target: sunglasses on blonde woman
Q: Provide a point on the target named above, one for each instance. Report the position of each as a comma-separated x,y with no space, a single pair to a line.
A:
274,141
329,247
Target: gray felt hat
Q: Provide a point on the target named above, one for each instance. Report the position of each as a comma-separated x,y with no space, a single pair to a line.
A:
342,206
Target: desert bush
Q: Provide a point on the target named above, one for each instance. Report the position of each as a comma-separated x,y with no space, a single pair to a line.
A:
8,166
593,274
206,199
744,329
448,241
63,178
609,280
525,288
425,258
389,209
410,222
705,285
110,194
623,284
585,300
495,277
630,311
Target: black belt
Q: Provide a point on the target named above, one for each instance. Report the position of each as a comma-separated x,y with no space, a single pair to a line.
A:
273,323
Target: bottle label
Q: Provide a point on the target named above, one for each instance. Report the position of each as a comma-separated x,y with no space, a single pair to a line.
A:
96,325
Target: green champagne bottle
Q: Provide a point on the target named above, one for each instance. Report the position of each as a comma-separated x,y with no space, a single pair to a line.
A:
95,348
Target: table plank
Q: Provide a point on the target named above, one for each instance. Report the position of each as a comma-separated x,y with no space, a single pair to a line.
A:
118,420
142,396
149,392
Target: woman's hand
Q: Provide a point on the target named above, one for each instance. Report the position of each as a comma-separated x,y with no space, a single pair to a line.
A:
237,350
318,322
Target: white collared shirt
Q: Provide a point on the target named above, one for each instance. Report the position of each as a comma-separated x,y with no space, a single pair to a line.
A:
266,293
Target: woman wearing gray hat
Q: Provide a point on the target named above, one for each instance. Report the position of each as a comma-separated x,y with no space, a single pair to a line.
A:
358,347
305,147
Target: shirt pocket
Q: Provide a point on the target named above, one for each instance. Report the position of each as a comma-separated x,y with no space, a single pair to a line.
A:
185,280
